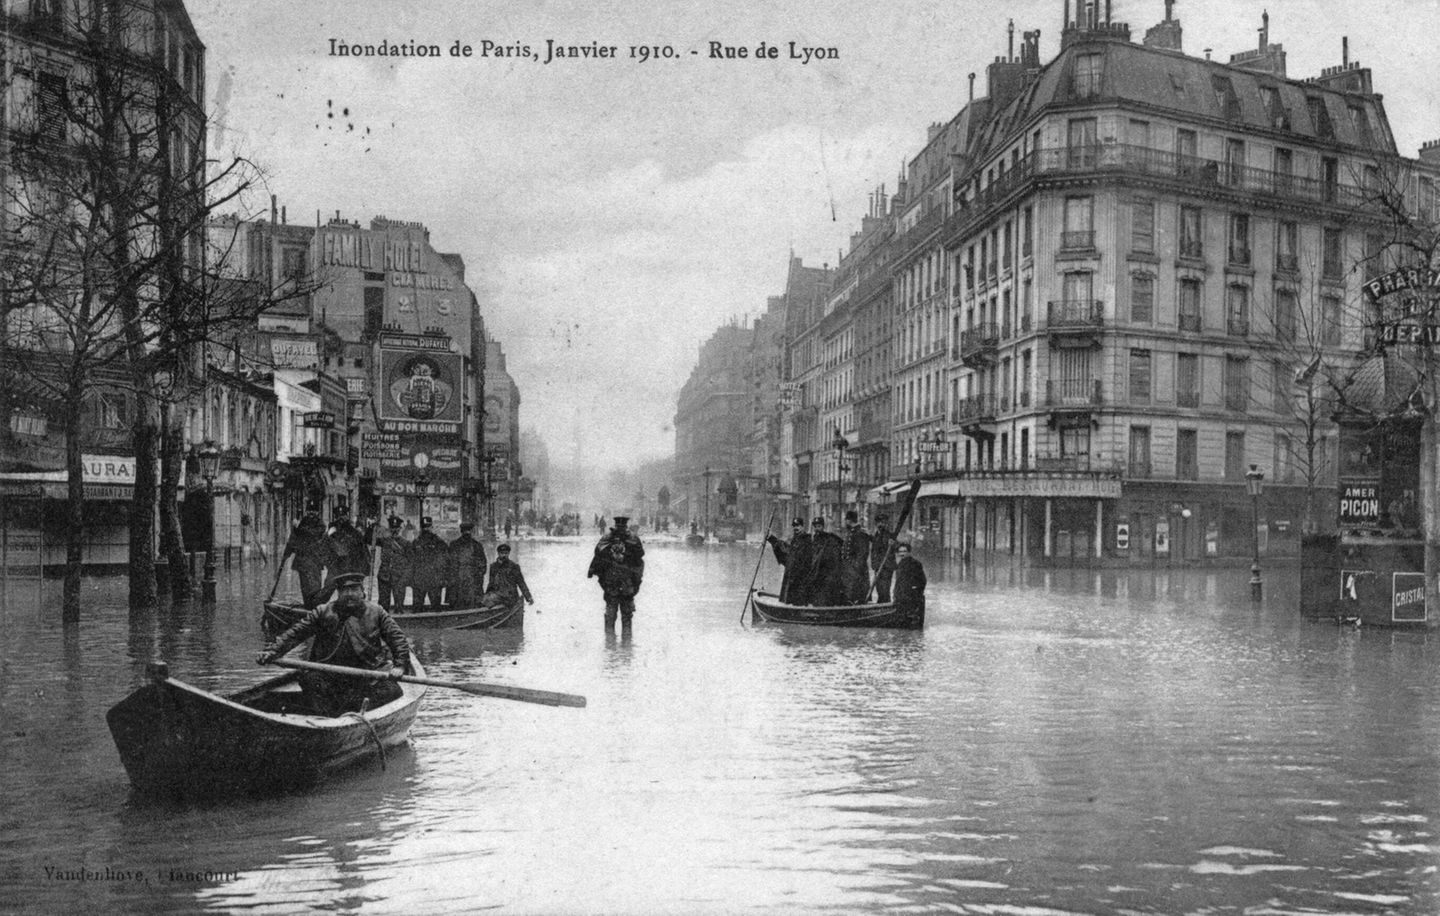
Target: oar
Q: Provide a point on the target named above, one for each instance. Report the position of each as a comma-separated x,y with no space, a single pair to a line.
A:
278,573
750,595
503,691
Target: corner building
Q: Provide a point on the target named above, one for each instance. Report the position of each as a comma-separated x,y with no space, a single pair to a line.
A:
1142,248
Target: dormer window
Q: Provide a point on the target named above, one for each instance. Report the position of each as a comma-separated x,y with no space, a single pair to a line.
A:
1088,70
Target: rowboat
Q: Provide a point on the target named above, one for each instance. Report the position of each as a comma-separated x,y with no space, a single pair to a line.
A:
769,608
178,740
279,616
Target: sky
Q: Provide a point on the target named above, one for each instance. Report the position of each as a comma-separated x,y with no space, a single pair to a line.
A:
613,212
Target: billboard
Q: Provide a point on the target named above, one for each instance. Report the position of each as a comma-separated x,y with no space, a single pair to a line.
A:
420,390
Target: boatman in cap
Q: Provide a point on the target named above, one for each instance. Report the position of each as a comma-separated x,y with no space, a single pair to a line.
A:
507,582
467,567
619,564
394,572
882,557
794,555
354,633
855,560
823,586
910,580
429,564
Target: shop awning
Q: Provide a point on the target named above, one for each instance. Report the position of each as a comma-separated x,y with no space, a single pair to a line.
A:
888,489
939,488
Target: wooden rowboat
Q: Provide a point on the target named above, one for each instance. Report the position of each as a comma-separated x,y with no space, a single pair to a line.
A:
770,608
177,740
279,616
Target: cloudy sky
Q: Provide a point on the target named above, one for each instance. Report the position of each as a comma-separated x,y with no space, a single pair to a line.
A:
613,212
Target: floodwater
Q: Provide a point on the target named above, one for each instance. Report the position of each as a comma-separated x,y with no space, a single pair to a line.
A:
1067,742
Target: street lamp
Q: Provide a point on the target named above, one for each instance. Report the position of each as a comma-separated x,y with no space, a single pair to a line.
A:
1254,479
422,483
209,459
840,444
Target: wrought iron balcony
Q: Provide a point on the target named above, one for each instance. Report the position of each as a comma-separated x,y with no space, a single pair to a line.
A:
1075,314
1189,322
979,408
979,344
1077,239
1237,327
1187,399
1072,394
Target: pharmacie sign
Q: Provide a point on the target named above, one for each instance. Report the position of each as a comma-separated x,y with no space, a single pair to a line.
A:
1359,505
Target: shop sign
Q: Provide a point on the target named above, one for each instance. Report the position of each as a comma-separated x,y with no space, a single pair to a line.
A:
420,387
109,469
1359,505
407,488
319,419
1408,597
294,352
1122,536
382,446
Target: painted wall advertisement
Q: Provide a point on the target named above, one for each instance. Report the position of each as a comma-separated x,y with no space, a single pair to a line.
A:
420,391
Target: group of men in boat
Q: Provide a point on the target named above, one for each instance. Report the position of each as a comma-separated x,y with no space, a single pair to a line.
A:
823,569
436,573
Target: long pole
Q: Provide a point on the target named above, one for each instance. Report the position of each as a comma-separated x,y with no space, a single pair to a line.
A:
208,585
750,594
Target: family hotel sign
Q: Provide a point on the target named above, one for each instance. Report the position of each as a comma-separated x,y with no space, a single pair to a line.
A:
404,257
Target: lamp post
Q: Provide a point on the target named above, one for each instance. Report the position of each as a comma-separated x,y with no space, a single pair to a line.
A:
840,444
422,483
1254,479
706,475
209,458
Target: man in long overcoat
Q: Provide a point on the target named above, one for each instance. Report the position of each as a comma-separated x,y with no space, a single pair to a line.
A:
467,567
855,560
910,580
824,585
429,565
882,557
619,564
312,555
394,573
794,555
507,581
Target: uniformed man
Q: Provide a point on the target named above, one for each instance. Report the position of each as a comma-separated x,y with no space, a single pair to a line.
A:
882,557
394,571
429,564
507,581
824,586
794,555
467,568
855,561
353,632
619,564
312,556
910,580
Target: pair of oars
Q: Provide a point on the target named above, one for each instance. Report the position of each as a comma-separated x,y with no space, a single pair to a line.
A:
502,691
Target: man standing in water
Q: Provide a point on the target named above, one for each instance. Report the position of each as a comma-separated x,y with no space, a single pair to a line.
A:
619,564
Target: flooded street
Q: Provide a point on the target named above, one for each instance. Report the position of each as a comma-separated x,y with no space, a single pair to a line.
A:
1052,742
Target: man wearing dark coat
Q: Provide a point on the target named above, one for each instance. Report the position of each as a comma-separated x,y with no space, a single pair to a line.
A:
910,580
619,564
794,555
882,557
312,552
507,582
429,564
394,572
467,567
352,632
823,585
855,561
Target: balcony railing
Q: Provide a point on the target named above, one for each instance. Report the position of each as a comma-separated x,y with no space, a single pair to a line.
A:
1055,463
1239,257
1139,468
1187,399
1189,322
1073,239
1236,400
1072,314
1237,327
1077,393
1287,262
979,408
980,341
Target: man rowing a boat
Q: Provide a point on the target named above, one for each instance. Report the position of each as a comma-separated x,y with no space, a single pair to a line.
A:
353,632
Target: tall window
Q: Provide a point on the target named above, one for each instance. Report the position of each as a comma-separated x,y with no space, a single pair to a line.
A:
1237,310
1142,226
1026,245
1330,320
1282,377
1077,288
1080,143
1139,451
1234,162
1025,373
1189,304
1187,466
1234,456
1237,383
1284,459
1240,239
1331,254
1187,380
1088,70
1075,441
1079,223
1287,245
1140,386
1142,298
1286,310
1329,178
1320,118
1284,169
1192,244
51,103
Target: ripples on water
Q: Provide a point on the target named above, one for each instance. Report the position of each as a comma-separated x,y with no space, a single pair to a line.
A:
1052,743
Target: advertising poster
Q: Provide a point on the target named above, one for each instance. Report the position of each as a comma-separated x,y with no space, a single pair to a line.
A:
420,390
